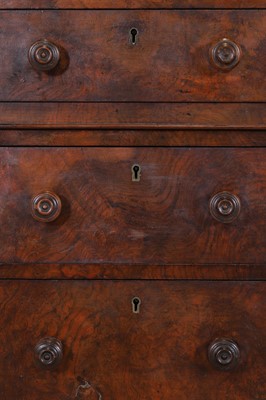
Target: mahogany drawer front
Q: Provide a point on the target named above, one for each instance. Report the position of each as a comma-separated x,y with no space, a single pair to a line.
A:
187,205
171,60
105,349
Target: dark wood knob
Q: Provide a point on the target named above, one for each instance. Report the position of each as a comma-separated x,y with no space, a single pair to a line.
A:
226,54
44,55
224,354
225,207
46,207
49,351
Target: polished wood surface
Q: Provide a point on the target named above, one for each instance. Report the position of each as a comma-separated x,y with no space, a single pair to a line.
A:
171,61
82,271
135,4
160,352
131,138
137,116
106,217
132,187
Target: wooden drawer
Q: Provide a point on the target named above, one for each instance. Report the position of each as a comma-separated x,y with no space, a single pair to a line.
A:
172,60
191,205
171,349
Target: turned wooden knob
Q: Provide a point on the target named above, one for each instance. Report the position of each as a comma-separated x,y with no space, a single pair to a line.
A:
44,55
49,351
224,354
226,54
46,207
225,207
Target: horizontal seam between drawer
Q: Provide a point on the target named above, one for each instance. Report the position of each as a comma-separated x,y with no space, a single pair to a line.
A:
137,9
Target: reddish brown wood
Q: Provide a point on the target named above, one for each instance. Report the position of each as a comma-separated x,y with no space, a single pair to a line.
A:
134,4
170,63
163,219
103,271
133,116
129,138
126,293
162,352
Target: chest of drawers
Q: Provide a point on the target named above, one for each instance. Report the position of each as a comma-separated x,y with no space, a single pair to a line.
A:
132,212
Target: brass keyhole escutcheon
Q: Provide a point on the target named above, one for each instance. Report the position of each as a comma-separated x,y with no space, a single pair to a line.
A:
136,173
133,36
136,302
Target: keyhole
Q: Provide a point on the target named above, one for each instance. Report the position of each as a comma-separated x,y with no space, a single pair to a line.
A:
133,35
136,302
136,173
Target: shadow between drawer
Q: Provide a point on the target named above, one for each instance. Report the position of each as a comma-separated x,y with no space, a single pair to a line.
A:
129,4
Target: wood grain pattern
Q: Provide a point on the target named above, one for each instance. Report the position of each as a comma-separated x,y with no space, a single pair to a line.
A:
170,63
134,4
73,279
163,219
129,138
239,272
159,353
132,116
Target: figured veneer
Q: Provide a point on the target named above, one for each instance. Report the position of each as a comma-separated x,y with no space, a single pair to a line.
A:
161,352
124,292
134,116
146,272
170,61
133,138
164,218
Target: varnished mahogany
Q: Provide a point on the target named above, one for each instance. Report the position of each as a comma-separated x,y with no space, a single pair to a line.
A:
172,60
132,199
133,138
135,116
161,352
168,217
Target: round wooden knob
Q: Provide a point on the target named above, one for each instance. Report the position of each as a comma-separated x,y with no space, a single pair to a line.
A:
225,207
49,351
226,54
224,354
46,207
44,55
